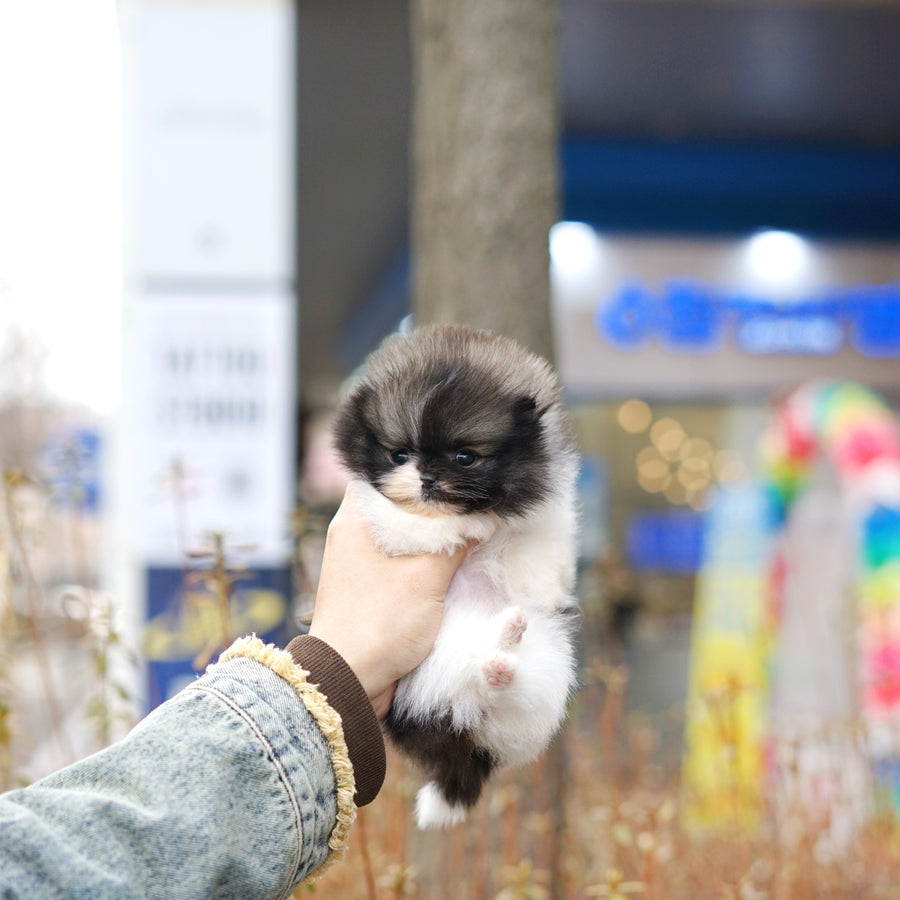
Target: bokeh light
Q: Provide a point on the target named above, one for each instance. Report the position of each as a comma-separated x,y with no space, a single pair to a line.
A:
635,416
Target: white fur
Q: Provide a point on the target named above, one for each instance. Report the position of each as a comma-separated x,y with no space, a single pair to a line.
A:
510,695
433,811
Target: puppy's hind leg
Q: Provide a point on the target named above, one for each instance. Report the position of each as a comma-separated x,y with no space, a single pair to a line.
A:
513,627
455,786
499,666
456,766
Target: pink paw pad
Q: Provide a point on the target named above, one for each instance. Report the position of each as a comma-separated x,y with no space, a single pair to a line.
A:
499,669
513,629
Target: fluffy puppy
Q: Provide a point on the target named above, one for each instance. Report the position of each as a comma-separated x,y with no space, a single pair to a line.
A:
460,436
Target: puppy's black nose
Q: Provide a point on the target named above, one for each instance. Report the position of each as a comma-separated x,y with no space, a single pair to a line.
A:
429,479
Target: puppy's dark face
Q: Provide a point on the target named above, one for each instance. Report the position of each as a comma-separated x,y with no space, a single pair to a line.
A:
446,441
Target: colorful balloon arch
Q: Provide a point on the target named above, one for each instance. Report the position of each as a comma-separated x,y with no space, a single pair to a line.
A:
740,605
858,433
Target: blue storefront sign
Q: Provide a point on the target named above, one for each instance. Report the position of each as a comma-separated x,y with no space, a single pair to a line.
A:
668,541
690,316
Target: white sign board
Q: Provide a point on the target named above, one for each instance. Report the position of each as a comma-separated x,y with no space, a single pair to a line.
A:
214,407
215,149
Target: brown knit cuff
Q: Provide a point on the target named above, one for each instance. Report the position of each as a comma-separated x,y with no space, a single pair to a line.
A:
362,733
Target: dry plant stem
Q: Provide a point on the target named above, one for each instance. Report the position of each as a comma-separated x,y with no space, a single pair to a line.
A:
614,680
729,727
482,860
179,501
659,859
32,593
371,890
178,481
219,582
6,742
100,654
7,733
734,729
402,816
222,587
305,526
510,816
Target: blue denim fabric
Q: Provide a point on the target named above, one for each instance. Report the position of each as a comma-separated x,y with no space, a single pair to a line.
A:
225,791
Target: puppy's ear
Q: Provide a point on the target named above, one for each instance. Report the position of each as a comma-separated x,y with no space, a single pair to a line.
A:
525,410
350,427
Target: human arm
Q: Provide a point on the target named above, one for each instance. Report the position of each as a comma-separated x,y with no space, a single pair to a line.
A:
243,784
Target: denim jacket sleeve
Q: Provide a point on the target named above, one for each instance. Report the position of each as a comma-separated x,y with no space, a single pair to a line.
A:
241,786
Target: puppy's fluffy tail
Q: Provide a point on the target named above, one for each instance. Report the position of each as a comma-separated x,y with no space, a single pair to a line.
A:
433,811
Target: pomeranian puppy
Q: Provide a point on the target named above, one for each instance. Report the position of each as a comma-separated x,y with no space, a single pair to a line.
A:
459,436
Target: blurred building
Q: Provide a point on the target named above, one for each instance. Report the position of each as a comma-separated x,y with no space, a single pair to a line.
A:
687,118
731,228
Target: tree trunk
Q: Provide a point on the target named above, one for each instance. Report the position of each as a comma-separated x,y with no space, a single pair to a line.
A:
484,163
484,188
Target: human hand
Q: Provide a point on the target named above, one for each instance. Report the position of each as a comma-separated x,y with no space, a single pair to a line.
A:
381,614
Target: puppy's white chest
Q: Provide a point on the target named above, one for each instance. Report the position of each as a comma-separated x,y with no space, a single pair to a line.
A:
473,588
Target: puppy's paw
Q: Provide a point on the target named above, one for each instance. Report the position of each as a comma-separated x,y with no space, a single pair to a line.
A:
513,628
499,669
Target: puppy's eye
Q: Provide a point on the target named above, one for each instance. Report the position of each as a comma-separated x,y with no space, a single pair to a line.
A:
398,457
466,458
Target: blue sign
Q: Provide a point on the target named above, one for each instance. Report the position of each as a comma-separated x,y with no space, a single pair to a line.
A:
72,462
874,315
628,320
688,316
184,620
667,541
771,333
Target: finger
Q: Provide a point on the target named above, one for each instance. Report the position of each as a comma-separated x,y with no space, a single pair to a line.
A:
352,492
459,554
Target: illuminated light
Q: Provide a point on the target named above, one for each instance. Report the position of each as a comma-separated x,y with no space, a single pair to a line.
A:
575,249
777,259
697,448
648,454
675,493
654,485
692,482
669,445
664,426
667,436
654,469
653,472
730,467
700,500
696,465
634,416
694,479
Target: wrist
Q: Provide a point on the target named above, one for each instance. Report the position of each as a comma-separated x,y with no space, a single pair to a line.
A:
368,669
336,679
